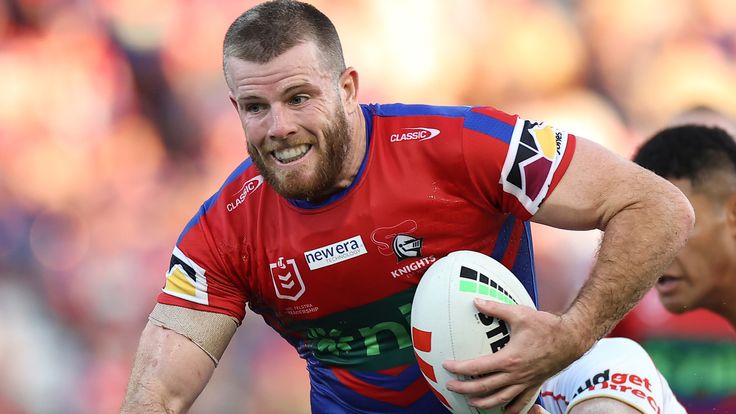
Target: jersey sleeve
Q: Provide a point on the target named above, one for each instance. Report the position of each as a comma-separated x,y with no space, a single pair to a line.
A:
200,275
515,163
616,368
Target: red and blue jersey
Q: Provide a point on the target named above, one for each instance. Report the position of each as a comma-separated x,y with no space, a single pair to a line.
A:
336,279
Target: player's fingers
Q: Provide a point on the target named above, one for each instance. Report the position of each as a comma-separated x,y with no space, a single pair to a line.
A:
501,397
480,386
476,367
503,311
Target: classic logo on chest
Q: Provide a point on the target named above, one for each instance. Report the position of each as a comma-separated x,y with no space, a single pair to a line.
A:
248,187
414,134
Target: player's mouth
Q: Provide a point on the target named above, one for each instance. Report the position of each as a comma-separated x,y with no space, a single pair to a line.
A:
668,283
291,154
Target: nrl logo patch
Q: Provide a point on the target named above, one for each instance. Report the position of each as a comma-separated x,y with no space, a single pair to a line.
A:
286,279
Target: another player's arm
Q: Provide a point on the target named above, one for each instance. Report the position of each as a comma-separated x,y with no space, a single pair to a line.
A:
537,409
170,369
603,405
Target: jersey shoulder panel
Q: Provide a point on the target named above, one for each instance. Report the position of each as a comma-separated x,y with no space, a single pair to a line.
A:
399,109
511,163
528,159
206,271
423,142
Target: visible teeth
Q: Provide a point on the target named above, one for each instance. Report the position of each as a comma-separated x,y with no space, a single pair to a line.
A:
291,154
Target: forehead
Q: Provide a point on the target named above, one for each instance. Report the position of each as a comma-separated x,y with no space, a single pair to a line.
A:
302,63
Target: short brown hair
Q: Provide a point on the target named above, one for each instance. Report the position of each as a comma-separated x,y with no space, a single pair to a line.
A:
271,28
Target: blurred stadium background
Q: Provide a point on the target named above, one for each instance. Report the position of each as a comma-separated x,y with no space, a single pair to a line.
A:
115,125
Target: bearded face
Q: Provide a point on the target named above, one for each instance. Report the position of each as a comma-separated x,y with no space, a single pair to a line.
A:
315,178
294,111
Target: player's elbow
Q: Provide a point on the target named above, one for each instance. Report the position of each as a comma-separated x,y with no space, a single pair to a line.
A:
683,213
686,213
674,207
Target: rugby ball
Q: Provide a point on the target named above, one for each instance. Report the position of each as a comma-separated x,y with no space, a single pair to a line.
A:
445,324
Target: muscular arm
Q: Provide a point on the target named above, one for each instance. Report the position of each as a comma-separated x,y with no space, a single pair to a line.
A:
177,353
594,406
645,221
169,372
603,405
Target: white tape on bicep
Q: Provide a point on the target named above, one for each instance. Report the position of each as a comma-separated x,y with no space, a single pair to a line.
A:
208,330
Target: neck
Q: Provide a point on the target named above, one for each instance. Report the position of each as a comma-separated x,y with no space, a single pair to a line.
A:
358,147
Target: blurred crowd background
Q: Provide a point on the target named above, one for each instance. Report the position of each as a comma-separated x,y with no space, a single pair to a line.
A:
115,125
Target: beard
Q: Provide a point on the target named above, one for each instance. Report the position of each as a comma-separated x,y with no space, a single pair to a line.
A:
318,181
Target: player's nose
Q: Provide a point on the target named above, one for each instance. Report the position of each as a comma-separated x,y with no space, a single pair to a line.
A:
282,123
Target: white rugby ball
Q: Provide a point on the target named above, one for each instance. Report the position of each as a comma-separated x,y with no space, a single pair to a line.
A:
445,323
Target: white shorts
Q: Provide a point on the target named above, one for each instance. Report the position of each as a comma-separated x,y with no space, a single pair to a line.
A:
617,368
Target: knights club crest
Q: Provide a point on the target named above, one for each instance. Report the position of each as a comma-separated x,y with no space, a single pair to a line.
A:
402,243
406,246
286,279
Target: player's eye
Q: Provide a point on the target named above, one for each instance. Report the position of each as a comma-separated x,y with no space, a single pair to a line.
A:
253,108
298,100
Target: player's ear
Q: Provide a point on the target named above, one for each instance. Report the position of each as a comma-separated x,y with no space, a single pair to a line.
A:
349,87
233,101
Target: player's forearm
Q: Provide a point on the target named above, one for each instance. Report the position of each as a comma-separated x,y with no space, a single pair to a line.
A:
149,394
169,372
638,243
140,399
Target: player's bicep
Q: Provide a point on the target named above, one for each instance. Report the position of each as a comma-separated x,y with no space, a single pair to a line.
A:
596,185
208,330
169,372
